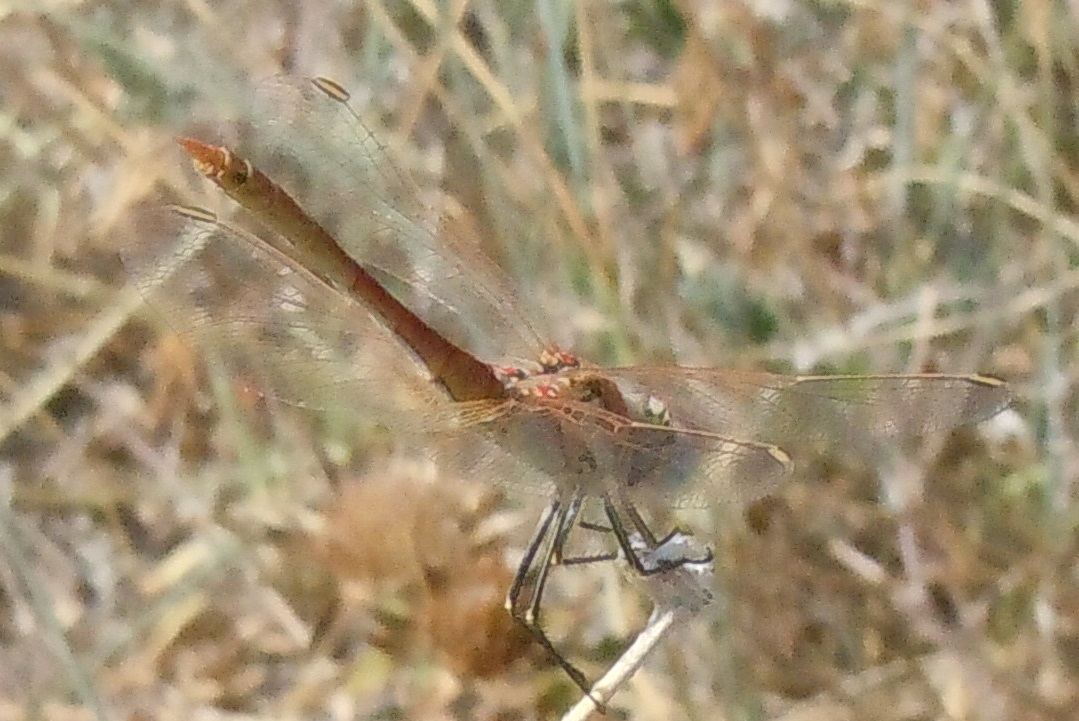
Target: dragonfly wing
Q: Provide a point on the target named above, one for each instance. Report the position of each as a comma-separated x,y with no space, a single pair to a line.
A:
561,446
272,322
696,469
315,145
843,411
499,442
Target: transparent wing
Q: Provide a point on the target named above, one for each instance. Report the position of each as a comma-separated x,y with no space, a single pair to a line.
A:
310,141
268,318
251,307
858,412
562,446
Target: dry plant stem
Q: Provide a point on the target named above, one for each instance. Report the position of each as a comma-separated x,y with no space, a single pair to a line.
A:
659,623
677,573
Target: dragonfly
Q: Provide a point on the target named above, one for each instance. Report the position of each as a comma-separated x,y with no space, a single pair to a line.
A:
341,285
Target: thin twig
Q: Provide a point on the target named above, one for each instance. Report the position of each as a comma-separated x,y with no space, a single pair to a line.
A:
659,623
679,592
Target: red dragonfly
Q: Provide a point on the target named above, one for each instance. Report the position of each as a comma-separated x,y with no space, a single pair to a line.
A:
318,295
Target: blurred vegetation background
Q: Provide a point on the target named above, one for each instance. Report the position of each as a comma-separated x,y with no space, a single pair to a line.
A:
845,186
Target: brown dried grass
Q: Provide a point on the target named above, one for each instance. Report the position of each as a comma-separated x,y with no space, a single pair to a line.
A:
844,186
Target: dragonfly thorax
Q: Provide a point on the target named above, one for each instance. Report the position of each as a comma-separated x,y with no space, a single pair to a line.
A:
547,385
640,407
558,375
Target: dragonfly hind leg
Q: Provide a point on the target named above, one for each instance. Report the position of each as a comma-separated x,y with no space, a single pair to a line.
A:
550,536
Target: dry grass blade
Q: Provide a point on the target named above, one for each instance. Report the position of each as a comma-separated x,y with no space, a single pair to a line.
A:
808,189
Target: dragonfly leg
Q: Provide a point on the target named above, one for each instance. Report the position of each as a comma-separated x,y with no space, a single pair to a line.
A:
592,526
564,521
586,560
553,529
633,554
593,558
538,536
550,534
563,531
640,526
654,543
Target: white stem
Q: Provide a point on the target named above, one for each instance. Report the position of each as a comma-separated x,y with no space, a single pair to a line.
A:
659,623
